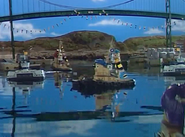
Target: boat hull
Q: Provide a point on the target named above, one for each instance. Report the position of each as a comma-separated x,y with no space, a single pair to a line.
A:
91,87
174,74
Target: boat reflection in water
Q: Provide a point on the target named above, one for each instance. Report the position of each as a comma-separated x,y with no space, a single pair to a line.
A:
26,87
63,123
173,80
60,80
109,102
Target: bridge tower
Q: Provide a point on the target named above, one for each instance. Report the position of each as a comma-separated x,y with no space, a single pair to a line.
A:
11,29
168,24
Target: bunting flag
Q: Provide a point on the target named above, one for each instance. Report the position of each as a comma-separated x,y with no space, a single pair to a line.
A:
118,21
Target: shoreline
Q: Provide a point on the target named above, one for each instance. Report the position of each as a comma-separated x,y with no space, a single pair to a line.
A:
74,55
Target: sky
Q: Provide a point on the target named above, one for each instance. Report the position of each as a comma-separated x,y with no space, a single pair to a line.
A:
121,27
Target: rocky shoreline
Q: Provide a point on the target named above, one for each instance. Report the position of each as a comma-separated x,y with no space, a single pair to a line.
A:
75,55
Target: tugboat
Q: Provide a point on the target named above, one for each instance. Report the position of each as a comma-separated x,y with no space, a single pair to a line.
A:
113,59
61,62
103,80
113,62
24,73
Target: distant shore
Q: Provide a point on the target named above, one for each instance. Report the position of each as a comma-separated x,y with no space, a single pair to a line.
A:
75,55
48,54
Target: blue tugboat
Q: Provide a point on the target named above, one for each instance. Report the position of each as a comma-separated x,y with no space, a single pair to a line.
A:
103,80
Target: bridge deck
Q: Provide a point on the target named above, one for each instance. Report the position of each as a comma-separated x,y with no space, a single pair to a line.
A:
91,12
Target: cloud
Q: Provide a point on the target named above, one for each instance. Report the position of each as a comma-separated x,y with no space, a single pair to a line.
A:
180,25
148,119
106,23
55,34
153,31
5,31
60,128
98,0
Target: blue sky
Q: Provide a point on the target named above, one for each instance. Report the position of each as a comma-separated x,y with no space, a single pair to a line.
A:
108,24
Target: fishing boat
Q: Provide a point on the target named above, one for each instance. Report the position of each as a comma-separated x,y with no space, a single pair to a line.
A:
174,70
24,73
61,62
10,64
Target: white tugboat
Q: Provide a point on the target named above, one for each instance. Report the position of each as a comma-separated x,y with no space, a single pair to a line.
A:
24,73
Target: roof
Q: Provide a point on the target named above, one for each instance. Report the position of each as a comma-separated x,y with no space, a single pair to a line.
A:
101,62
116,51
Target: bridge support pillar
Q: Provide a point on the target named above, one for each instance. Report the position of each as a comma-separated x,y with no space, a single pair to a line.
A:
11,29
168,24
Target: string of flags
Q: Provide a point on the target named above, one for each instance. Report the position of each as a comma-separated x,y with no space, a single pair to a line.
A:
131,25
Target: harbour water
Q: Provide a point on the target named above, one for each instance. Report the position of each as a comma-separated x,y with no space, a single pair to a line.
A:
49,111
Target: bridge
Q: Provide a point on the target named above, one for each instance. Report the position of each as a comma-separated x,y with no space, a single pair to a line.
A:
12,10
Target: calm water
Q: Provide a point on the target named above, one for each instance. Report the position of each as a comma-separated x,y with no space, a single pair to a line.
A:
46,111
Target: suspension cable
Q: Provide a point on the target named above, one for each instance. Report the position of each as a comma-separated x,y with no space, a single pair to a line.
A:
71,7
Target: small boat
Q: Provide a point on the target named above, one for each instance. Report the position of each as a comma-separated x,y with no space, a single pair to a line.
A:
10,64
179,59
24,73
61,62
174,70
25,57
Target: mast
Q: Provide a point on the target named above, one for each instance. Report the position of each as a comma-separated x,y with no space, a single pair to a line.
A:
11,29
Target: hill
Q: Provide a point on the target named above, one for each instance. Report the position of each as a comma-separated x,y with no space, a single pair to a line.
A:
86,44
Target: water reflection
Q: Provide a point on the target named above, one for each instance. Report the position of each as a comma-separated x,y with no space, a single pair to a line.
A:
59,82
59,125
104,114
110,101
172,101
174,80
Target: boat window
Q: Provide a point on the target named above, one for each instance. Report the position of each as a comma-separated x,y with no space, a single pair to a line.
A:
23,58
